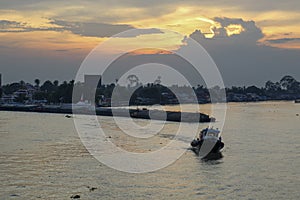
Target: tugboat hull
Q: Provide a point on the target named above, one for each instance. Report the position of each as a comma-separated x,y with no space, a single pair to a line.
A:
196,144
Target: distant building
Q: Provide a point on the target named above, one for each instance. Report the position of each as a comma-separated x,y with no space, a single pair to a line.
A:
91,83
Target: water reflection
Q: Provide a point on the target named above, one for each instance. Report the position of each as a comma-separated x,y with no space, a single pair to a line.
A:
213,156
210,157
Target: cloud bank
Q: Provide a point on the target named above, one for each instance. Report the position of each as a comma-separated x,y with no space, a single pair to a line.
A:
242,60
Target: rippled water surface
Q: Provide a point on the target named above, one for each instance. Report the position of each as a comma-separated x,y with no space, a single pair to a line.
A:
42,157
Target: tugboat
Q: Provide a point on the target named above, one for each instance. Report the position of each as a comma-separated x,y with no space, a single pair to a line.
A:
209,144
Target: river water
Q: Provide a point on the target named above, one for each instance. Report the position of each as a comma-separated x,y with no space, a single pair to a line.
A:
42,157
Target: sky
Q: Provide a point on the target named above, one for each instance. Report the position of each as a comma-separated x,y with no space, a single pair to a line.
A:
250,41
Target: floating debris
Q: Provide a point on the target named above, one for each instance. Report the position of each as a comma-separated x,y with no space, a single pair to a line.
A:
76,196
91,188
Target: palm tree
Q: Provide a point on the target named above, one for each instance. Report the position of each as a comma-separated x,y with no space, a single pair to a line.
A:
22,84
55,83
37,82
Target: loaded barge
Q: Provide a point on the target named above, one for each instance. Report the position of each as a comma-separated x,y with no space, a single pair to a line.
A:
144,113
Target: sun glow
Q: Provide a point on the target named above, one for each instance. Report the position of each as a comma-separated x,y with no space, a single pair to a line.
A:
234,29
150,51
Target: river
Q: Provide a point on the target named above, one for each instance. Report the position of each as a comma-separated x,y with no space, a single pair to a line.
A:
42,157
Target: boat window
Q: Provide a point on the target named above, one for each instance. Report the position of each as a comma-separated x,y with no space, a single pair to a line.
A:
212,134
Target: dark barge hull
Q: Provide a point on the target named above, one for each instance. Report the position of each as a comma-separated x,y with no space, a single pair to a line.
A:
119,112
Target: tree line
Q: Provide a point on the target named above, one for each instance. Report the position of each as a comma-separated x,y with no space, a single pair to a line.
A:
55,92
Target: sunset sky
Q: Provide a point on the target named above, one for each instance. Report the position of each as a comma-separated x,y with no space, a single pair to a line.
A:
250,41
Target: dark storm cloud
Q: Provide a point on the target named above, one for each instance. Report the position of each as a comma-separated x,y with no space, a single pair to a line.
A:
84,29
250,34
251,31
78,28
242,61
92,29
7,26
101,29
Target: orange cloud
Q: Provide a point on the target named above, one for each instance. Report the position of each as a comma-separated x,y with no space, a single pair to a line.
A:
150,51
